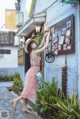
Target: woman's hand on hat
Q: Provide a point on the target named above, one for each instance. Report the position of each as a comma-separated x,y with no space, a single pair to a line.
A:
47,34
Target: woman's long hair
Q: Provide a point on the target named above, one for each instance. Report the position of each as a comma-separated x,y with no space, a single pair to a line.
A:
30,47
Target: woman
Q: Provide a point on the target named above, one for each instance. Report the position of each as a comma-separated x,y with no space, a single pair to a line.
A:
30,84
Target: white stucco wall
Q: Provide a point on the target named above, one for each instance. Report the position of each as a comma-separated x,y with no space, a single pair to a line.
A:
9,63
9,60
23,9
56,13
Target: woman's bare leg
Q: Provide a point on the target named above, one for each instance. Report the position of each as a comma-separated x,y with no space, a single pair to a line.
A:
24,109
15,101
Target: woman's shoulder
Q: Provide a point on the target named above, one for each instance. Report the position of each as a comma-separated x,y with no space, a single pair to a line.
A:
34,54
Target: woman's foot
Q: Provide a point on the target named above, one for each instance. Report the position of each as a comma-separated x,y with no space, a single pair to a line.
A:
14,103
26,110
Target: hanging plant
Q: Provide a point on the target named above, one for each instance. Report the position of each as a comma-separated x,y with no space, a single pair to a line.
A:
70,1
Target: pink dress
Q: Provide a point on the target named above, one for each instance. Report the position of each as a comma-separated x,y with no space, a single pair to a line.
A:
30,84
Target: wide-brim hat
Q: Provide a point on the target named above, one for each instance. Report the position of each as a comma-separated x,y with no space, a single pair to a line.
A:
27,43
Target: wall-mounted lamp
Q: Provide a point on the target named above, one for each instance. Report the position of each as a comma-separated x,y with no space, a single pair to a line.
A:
22,40
38,28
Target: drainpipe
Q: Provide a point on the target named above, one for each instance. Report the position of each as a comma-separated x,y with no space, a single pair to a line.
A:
78,43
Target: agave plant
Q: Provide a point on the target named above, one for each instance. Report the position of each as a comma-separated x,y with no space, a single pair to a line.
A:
51,103
69,108
47,98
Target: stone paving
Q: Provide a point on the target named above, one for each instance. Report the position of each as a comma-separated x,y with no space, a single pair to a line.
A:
6,106
6,84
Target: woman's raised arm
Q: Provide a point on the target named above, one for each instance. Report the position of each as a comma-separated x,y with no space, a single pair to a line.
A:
42,42
45,45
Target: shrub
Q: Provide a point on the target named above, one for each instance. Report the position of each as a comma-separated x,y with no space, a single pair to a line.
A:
6,78
69,108
17,83
51,103
46,99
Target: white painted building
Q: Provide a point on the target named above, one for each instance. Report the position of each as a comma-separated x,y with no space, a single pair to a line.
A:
8,61
56,12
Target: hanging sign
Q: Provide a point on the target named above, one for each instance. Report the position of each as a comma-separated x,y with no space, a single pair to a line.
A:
10,19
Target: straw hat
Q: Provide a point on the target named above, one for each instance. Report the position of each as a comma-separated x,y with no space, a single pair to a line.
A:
27,43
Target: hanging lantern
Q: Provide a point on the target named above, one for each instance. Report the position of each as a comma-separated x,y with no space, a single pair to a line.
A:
38,29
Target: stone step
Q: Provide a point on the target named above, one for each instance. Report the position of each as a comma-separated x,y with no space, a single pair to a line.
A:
6,84
31,104
5,105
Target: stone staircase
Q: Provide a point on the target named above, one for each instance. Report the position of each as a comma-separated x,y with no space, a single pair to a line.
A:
5,105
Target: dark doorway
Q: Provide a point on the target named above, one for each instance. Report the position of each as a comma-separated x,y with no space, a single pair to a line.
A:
27,62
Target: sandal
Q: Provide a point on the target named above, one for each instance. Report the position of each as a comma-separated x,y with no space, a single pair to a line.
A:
14,103
27,111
